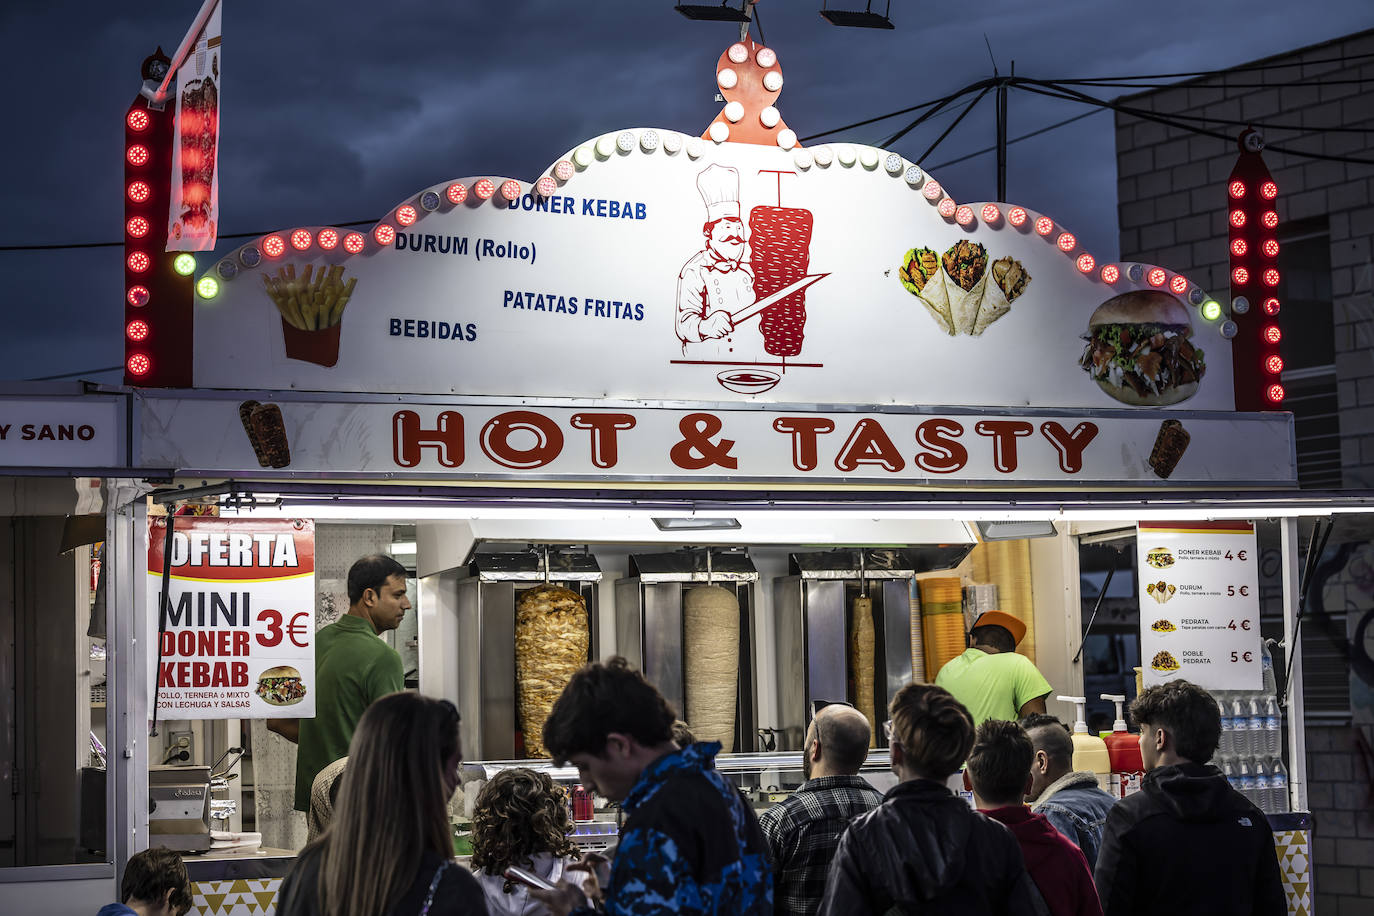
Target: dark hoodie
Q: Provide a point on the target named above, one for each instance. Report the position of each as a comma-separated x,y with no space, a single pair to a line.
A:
924,850
1188,843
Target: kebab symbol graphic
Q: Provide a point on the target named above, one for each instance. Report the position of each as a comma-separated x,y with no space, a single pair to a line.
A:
726,284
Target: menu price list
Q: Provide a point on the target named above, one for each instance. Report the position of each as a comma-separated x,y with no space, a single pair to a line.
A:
1199,604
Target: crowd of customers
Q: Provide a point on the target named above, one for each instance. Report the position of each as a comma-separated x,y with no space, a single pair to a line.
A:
1042,840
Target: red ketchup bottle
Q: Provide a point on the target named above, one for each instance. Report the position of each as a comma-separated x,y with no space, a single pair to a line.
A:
1123,749
583,809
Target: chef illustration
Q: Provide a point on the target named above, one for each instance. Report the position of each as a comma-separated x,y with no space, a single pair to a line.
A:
716,281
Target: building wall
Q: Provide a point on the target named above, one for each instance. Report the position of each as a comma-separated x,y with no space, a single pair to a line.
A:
1172,198
1339,784
1172,209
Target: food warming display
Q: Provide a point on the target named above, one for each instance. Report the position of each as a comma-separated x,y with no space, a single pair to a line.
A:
710,625
551,641
862,666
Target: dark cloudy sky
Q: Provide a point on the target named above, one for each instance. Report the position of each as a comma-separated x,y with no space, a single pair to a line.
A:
336,111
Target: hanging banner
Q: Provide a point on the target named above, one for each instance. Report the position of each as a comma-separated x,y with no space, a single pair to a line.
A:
194,215
239,635
1199,603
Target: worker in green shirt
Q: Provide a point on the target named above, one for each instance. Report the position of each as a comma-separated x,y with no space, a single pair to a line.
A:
353,667
989,678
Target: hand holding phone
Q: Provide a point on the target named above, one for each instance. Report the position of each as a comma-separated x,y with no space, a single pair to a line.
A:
527,878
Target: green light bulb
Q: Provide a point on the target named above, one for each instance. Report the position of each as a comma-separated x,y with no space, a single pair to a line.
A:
184,264
208,287
1211,310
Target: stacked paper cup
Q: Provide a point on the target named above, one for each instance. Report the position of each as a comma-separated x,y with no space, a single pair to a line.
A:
918,643
942,614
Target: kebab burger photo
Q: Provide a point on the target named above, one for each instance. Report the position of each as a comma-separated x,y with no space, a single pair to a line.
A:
1139,350
281,686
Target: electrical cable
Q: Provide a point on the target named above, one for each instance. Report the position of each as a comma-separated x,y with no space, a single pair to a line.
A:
948,130
1244,68
49,378
868,121
1239,122
1034,133
1062,92
1117,84
985,85
235,235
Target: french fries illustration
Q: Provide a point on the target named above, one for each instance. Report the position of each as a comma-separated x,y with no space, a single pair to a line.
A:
310,303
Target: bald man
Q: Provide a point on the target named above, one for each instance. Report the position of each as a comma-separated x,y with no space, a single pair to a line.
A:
803,831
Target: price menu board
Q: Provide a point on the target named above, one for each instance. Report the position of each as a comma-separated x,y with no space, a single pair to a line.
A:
1199,603
238,630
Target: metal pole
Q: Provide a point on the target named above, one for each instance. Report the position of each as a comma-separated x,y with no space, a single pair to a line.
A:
1002,140
206,9
1297,744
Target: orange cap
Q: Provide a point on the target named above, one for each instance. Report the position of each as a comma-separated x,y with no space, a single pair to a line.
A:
1012,625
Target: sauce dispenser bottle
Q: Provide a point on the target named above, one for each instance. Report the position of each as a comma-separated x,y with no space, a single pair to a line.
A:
1123,748
1089,751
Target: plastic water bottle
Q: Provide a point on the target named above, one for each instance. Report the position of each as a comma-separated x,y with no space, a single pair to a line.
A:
1273,727
1240,728
1256,725
1267,667
1278,786
1261,796
1228,769
1245,779
1228,726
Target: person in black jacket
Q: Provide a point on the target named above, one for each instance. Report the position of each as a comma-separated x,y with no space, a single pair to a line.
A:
1187,843
924,850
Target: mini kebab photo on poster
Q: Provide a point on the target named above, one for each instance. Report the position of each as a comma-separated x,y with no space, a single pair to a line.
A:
281,686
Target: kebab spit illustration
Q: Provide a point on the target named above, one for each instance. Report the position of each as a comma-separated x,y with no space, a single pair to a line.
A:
781,241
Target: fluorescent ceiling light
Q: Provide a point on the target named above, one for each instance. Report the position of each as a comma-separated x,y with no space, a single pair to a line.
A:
695,523
403,547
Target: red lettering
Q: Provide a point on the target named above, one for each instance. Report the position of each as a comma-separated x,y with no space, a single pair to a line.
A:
696,449
408,439
804,431
167,677
239,671
240,644
1069,445
1004,434
869,444
495,439
200,674
944,453
604,426
169,644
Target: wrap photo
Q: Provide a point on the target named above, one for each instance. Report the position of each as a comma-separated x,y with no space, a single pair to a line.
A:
924,278
966,266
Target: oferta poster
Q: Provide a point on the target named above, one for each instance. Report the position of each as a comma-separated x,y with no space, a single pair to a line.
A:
236,639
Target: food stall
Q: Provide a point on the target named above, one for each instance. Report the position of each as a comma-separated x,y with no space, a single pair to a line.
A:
804,378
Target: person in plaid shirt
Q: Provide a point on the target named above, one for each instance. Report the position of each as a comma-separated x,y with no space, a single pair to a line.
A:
803,831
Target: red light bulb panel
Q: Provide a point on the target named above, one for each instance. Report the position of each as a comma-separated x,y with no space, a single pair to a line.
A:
158,301
1252,215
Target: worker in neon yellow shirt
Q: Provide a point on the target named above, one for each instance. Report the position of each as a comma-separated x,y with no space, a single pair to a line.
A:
989,678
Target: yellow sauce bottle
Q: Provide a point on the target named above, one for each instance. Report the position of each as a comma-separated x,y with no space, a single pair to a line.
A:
1089,751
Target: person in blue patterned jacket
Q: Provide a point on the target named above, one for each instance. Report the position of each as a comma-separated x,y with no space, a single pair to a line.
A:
690,842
